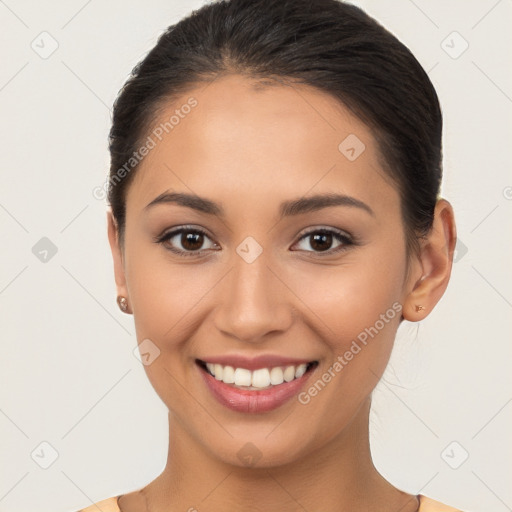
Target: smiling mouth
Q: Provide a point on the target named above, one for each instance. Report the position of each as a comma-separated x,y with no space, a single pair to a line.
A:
259,379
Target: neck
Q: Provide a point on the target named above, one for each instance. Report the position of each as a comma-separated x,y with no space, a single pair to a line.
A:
339,476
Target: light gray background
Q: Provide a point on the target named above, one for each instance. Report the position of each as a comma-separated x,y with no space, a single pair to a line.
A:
68,373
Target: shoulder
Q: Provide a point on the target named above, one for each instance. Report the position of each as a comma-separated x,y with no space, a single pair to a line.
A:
430,505
108,505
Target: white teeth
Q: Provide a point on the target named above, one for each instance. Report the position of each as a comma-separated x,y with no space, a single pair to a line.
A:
219,371
228,375
300,370
242,376
257,379
260,378
289,373
276,376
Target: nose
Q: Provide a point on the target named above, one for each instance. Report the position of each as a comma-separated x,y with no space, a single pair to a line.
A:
254,303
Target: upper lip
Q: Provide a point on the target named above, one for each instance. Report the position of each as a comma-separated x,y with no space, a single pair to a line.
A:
255,363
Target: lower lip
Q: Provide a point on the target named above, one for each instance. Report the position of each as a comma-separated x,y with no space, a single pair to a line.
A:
244,400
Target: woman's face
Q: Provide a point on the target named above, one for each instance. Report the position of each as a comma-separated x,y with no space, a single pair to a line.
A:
264,281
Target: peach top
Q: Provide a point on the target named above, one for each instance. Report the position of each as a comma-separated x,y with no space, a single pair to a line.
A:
426,505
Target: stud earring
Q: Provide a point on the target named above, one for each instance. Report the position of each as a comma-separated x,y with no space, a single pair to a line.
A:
123,303
419,308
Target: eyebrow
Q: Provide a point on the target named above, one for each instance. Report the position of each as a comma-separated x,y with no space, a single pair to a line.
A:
286,209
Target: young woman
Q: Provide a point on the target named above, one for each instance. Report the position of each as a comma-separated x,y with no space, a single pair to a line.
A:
275,215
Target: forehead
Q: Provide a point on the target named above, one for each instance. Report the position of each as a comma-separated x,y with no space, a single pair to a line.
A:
265,142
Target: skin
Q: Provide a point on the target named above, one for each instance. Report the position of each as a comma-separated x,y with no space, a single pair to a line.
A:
248,149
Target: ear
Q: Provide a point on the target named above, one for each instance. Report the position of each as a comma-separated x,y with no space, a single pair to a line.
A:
435,260
117,255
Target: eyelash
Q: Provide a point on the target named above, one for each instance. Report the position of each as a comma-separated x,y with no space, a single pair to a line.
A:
345,240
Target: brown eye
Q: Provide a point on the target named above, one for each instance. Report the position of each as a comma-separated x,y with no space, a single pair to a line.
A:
322,240
186,241
191,241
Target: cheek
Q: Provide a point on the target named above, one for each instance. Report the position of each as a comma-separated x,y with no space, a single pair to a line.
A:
163,294
357,308
353,296
165,300
359,320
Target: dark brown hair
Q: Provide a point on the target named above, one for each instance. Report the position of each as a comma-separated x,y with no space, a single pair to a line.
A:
331,45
